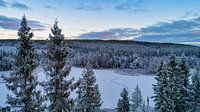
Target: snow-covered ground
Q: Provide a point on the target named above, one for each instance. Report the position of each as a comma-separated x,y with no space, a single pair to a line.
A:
110,84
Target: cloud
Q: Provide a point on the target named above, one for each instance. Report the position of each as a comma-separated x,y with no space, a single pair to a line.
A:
117,33
50,7
131,6
3,3
20,6
89,7
171,31
174,31
170,37
190,14
172,27
9,23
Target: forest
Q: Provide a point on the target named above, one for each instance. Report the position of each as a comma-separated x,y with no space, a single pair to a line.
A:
171,63
122,54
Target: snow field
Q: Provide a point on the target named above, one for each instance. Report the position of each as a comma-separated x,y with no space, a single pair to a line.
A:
110,85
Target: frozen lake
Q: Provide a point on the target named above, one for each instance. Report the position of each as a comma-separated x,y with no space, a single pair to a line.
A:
110,84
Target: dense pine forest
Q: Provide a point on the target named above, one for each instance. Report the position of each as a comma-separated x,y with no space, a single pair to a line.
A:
110,53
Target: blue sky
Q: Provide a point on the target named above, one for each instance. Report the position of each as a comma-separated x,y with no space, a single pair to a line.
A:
146,20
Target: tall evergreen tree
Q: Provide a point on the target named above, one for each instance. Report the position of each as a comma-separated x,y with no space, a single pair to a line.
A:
183,85
22,82
161,89
178,84
89,97
173,81
136,99
195,92
123,104
58,88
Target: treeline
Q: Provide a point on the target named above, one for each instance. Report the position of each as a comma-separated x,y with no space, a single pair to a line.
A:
119,54
125,54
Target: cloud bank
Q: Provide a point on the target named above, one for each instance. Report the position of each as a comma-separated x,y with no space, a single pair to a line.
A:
118,33
3,3
172,31
20,6
131,6
9,23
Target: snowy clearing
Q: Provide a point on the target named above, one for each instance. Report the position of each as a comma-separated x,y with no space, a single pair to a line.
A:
110,84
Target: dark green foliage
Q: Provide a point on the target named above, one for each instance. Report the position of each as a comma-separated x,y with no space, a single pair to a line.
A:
58,88
172,90
89,97
160,89
183,79
123,104
22,82
136,99
195,91
172,87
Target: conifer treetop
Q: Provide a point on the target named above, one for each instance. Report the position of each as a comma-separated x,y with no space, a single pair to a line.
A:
24,31
56,32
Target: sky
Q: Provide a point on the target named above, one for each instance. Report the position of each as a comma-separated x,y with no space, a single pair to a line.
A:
144,20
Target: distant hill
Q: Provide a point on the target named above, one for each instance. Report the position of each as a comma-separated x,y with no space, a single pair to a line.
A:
117,53
12,42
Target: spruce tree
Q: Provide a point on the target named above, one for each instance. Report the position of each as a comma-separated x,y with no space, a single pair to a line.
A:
136,99
89,97
161,89
58,87
195,91
22,82
123,104
178,83
173,81
183,85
